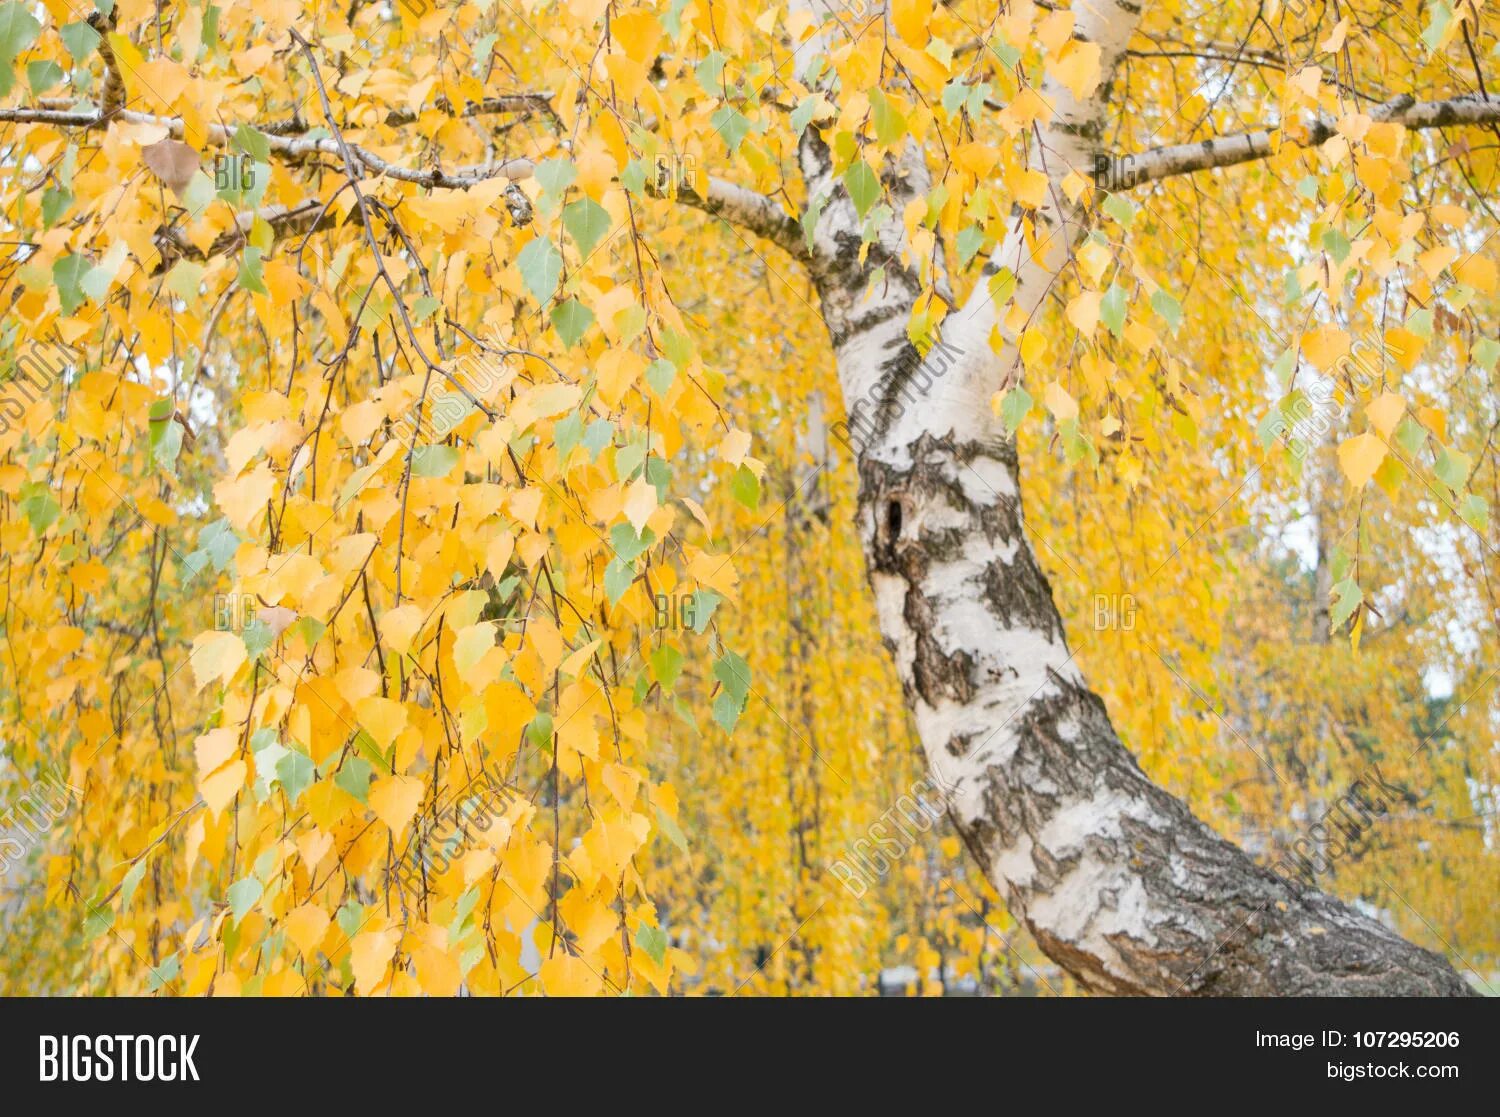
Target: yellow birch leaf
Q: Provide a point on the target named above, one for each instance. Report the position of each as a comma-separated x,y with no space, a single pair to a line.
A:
369,955
1033,345
1360,456
912,18
1083,311
1060,403
1335,40
437,973
1055,32
546,641
219,789
1323,347
1385,412
590,918
637,32
361,420
306,927
1078,68
245,498
398,626
1477,272
382,718
216,656
566,976
1029,187
640,502
1434,260
395,800
1406,347
735,446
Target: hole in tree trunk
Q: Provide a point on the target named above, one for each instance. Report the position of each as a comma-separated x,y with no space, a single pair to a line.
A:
893,519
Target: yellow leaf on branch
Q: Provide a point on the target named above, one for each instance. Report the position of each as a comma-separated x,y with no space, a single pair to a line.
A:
1360,457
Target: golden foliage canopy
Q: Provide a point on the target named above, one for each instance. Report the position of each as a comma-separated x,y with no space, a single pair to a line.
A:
424,557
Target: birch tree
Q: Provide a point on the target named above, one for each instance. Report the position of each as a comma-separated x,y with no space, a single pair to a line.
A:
382,301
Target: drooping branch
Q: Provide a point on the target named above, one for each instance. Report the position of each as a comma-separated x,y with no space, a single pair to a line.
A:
1126,171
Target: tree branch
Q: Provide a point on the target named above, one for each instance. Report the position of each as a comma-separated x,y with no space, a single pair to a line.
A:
112,94
285,221
1124,172
752,211
300,147
506,102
